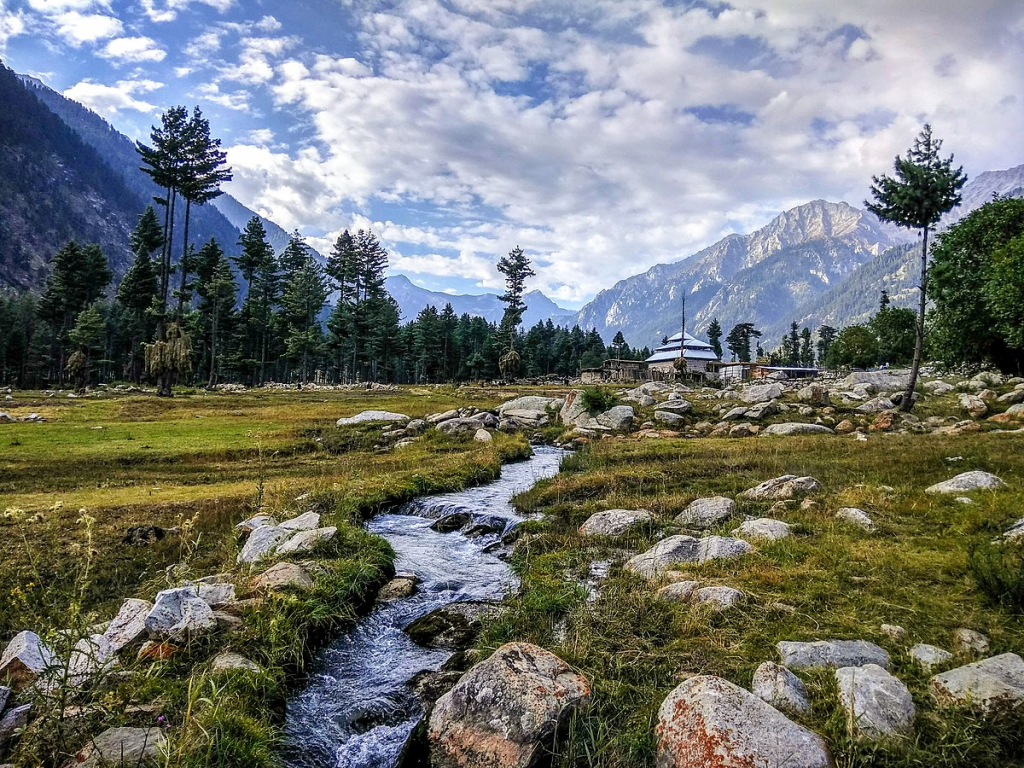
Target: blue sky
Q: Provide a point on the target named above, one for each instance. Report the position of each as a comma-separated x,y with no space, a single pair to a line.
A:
603,136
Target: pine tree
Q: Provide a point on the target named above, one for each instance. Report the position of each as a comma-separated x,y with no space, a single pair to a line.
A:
740,339
85,336
136,293
516,269
343,268
255,263
794,345
715,337
806,350
305,293
826,337
925,187
218,291
148,235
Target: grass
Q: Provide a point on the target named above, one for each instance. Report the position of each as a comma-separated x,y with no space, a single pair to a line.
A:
830,580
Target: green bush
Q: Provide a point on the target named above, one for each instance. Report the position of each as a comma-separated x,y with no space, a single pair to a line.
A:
998,568
599,400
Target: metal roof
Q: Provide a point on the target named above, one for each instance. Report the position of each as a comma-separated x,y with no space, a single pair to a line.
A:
689,354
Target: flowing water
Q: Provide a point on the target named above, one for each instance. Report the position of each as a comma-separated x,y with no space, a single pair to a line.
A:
357,709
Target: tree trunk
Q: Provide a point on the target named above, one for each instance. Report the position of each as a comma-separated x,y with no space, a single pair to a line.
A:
213,348
908,395
183,265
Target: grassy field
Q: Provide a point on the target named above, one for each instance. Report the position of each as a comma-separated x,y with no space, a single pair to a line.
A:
829,580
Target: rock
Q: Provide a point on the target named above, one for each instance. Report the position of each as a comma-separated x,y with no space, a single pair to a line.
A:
263,542
831,654
845,427
123,746
216,594
877,704
929,656
250,525
151,650
531,403
180,613
718,598
90,657
797,428
857,517
970,641
227,622
304,522
960,428
417,427
685,549
758,412
743,430
735,414
451,522
507,711
573,411
371,416
764,528
25,658
13,721
679,592
814,395
938,387
482,436
459,426
452,626
618,418
1015,397
284,576
437,418
129,625
143,535
5,694
991,684
883,422
776,685
403,585
615,522
229,661
670,418
974,405
481,525
307,541
968,481
705,513
1015,531
887,381
784,487
876,405
761,393
708,722
893,631
521,417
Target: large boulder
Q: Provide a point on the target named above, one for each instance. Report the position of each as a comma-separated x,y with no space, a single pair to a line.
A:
968,481
877,704
991,684
618,418
179,614
831,654
796,428
507,711
708,722
615,522
776,685
574,411
124,746
304,522
685,549
678,406
781,488
307,541
705,513
531,403
876,405
974,405
372,416
814,395
670,418
761,393
263,542
882,381
452,626
25,658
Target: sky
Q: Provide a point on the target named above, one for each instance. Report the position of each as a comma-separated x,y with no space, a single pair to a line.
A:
601,136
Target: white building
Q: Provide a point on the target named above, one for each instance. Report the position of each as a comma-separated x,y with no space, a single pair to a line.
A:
697,353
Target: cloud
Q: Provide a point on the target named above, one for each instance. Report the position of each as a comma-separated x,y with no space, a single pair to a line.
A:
12,23
168,10
238,101
78,28
54,7
110,100
133,50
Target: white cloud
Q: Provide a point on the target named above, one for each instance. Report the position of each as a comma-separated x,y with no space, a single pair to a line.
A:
133,50
238,101
168,10
110,100
12,23
54,7
77,28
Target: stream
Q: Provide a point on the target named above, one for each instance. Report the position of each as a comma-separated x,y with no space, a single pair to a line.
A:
357,708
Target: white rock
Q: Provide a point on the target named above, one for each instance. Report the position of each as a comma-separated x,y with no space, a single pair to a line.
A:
705,513
1015,531
894,631
482,436
929,656
615,522
307,541
90,657
796,428
968,481
679,592
129,625
831,654
938,387
262,542
875,405
180,613
124,746
248,526
776,685
783,487
232,662
761,393
718,598
26,658
371,416
304,522
763,528
617,418
685,549
708,722
669,418
856,516
531,403
216,594
970,641
284,576
989,684
877,704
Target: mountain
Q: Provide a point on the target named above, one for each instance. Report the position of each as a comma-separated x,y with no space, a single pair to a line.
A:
980,189
53,187
412,299
763,277
239,216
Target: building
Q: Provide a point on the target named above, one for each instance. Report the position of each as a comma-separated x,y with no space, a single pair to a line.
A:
696,352
615,371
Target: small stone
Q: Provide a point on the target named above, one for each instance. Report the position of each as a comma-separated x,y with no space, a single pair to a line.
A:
784,487
227,622
304,522
180,613
229,661
25,658
764,529
705,513
877,704
970,641
894,631
679,592
845,427
968,481
930,656
151,650
615,522
398,588
718,598
5,694
857,517
307,541
482,436
831,654
776,685
123,746
284,576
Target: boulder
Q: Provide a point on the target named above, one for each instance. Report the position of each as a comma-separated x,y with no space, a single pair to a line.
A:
776,685
284,576
307,541
129,625
123,746
882,381
761,393
857,517
671,418
531,403
708,722
679,592
507,711
814,395
304,522
968,481
1015,531
482,436
930,656
970,641
180,613
735,414
831,654
763,528
14,720
718,598
883,422
90,657
876,405
5,694
615,522
522,417
453,521
796,428
460,426
938,387
229,661
991,684
452,626
371,416
877,704
263,542
402,586
677,405
1012,398
784,487
845,427
705,513
250,525
974,405
617,418
685,549
573,411
25,658
217,594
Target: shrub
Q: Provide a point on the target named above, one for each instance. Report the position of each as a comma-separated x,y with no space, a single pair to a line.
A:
599,400
998,568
